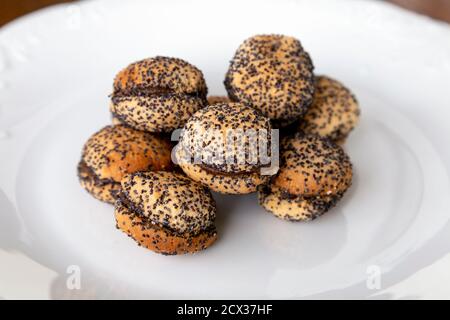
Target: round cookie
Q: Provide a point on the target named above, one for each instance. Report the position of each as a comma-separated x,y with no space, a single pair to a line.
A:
219,147
313,176
311,165
166,212
273,74
115,151
334,112
158,94
217,99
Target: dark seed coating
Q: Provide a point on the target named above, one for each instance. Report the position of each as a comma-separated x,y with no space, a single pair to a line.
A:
158,75
207,134
158,94
117,150
272,73
311,165
102,189
114,151
226,183
158,113
160,239
313,176
169,200
226,166
294,208
334,112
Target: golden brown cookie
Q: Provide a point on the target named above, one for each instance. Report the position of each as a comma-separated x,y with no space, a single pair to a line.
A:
314,174
311,165
334,112
158,94
158,239
166,212
273,74
219,147
115,151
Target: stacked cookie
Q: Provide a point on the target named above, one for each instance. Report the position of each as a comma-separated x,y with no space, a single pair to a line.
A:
314,175
228,177
115,151
162,197
129,163
158,94
166,212
274,74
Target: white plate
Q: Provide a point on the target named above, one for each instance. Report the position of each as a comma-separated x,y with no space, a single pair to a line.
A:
56,71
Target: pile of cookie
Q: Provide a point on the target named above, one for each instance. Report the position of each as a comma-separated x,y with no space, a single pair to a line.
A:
163,198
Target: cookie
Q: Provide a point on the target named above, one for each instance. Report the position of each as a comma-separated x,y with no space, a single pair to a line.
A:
220,147
166,212
273,74
313,176
158,94
334,112
115,151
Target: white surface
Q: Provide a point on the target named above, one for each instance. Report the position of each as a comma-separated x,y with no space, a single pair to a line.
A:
56,71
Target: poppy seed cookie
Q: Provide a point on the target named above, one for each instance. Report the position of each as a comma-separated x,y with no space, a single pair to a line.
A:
273,74
158,94
314,174
333,113
166,212
219,147
115,151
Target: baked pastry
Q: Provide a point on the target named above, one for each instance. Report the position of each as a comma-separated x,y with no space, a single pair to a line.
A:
166,212
273,74
217,99
158,94
207,155
333,113
115,151
314,175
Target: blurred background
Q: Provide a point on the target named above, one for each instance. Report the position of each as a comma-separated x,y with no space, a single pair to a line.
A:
437,9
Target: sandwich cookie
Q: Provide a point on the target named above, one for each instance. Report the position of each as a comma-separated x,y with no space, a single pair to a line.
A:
313,176
166,212
273,74
158,94
334,112
220,147
115,151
